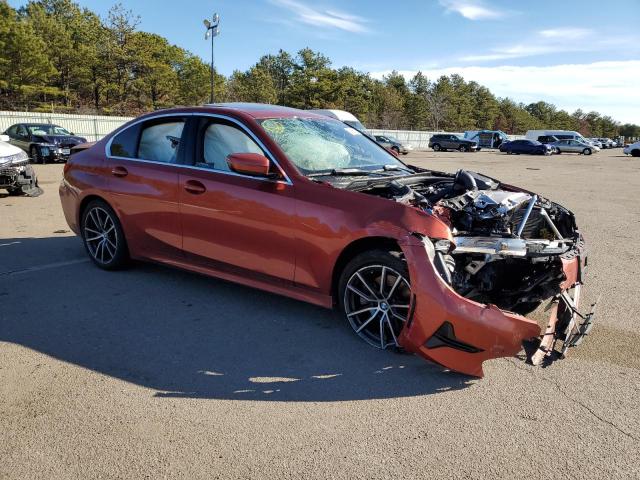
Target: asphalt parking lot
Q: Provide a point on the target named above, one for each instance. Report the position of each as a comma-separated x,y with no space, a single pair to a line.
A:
157,373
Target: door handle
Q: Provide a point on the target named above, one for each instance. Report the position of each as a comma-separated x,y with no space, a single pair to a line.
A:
119,172
194,187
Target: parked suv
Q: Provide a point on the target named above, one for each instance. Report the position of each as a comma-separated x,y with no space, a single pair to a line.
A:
447,141
43,141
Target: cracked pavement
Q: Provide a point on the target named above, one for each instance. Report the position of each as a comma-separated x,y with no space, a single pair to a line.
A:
158,373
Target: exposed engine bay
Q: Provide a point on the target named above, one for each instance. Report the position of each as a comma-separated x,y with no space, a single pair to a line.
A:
508,244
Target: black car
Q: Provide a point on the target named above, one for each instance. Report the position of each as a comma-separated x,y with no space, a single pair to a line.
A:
447,141
43,141
529,147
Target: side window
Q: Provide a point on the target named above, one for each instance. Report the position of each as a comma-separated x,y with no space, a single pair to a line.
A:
219,140
125,143
21,131
159,141
11,131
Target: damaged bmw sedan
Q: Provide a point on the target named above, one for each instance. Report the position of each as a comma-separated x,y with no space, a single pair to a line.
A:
444,265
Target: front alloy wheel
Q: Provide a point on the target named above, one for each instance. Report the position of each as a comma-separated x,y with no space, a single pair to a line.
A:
462,148
376,301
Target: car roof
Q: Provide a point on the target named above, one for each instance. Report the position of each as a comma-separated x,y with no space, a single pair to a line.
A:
264,110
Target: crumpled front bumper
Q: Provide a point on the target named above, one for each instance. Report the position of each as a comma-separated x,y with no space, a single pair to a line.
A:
21,177
456,332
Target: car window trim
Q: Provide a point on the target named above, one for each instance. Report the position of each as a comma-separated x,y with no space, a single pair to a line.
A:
269,155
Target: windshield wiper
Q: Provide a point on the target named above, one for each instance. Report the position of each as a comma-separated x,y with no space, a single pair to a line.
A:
387,168
343,172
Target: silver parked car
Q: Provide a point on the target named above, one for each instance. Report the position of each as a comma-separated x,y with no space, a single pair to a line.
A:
574,146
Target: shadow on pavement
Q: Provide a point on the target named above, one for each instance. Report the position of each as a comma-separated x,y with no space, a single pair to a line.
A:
185,335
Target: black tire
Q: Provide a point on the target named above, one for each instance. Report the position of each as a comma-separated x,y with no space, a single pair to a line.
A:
586,151
14,192
635,153
462,148
386,310
34,156
114,254
436,147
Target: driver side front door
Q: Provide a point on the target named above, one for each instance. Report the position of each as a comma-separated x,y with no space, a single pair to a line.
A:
232,221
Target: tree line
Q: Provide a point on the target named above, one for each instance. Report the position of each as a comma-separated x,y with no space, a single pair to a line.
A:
56,55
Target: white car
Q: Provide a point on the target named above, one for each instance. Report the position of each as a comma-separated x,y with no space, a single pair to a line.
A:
16,175
633,149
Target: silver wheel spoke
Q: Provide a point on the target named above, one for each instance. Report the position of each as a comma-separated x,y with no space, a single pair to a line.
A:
95,237
403,319
393,334
399,306
359,293
91,230
112,254
367,321
110,242
383,278
94,219
393,288
368,309
382,342
373,294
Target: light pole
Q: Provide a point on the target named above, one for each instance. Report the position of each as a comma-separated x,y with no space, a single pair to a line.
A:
213,30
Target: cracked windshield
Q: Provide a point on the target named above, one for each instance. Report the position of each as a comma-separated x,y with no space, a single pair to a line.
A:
317,146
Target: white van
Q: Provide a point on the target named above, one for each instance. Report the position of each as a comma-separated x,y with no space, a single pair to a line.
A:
559,134
343,116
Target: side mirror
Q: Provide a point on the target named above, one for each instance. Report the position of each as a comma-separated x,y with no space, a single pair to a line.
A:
4,138
253,164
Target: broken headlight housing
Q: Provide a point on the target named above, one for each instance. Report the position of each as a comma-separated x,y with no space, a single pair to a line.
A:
15,159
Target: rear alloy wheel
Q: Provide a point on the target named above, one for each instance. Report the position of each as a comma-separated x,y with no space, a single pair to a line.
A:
376,297
462,148
436,147
103,236
586,151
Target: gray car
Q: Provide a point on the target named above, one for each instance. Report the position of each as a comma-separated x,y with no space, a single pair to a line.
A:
442,142
393,143
574,146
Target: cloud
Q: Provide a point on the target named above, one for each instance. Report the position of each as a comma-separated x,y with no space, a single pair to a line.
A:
556,42
610,88
567,33
324,18
472,9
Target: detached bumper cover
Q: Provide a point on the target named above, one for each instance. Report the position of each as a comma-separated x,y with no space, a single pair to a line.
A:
20,177
458,333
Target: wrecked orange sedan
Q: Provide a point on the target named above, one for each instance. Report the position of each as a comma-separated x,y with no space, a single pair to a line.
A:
442,265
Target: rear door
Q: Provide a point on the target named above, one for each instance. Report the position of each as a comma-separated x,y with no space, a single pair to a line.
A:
231,220
20,137
143,161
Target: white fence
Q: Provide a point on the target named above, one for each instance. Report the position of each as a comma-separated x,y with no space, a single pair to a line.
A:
91,127
94,127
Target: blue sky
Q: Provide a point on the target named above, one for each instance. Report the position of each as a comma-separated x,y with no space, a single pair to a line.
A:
574,53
